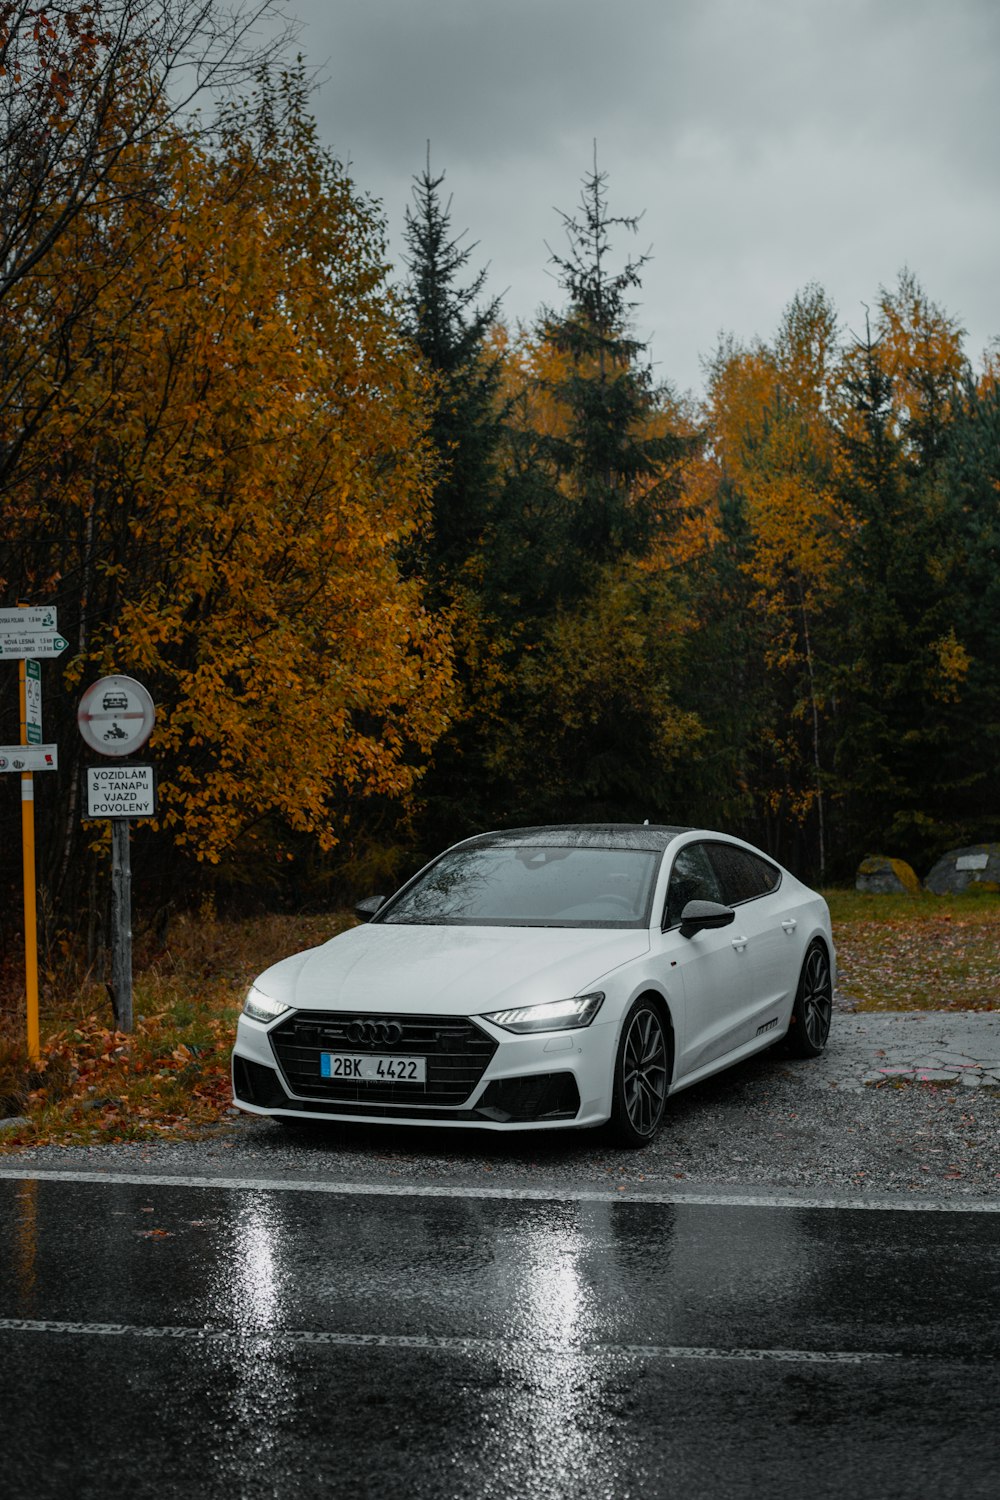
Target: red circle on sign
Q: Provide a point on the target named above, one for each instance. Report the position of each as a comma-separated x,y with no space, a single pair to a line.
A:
116,715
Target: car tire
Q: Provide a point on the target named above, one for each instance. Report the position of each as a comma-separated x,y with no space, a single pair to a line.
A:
813,1008
642,1075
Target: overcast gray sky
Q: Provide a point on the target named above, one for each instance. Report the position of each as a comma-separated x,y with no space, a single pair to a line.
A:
769,144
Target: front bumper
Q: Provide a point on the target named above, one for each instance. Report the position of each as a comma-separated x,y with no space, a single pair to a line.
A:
548,1080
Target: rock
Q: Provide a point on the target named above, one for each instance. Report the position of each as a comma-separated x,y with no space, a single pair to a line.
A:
976,867
879,876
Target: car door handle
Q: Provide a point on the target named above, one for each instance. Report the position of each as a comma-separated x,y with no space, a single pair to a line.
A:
789,924
740,943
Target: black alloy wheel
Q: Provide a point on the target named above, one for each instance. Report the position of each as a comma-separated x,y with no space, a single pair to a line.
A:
813,1006
642,1076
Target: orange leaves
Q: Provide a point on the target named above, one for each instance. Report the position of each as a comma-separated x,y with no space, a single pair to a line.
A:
774,441
770,411
94,1078
172,1073
950,666
240,444
919,349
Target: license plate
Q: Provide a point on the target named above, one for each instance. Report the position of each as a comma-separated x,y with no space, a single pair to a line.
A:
366,1067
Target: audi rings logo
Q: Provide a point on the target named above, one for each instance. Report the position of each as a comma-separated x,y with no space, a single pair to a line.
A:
375,1033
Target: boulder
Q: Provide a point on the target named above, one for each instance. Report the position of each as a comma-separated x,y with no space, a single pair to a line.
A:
880,876
976,867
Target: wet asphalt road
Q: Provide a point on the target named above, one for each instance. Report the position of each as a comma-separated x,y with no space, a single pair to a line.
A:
163,1339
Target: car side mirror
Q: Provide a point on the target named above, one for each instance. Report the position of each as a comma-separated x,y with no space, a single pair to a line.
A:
698,915
366,908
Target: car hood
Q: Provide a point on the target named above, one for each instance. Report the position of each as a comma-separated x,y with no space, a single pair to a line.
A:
449,970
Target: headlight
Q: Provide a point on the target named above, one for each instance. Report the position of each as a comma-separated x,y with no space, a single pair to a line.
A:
558,1015
261,1007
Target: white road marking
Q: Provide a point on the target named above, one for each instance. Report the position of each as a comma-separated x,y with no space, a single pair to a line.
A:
455,1345
634,1193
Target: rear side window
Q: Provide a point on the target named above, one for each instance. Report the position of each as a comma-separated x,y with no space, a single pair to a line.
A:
742,875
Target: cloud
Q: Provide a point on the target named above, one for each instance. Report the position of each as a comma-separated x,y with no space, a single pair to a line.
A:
769,142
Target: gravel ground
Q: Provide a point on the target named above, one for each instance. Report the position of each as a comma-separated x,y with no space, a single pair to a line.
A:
773,1125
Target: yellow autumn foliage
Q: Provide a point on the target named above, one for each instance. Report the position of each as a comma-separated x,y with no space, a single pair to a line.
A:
227,461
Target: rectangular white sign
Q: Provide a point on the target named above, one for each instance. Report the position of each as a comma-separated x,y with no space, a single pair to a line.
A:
27,619
20,644
124,791
972,862
29,758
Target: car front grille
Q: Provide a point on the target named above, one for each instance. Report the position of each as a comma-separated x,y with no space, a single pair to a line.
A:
456,1049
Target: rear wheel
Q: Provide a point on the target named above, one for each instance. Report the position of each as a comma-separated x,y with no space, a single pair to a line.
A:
813,1006
642,1076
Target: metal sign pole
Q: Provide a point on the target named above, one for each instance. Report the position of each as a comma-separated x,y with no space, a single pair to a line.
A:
121,924
115,716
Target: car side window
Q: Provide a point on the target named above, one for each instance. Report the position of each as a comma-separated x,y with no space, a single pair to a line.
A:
691,879
743,876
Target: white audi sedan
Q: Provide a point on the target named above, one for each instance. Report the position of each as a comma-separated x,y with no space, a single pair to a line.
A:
541,978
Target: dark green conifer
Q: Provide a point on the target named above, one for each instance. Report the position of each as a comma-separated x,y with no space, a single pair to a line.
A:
450,323
621,474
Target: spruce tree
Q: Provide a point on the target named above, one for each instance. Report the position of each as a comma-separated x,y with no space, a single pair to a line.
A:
900,679
450,323
618,459
971,483
449,319
591,729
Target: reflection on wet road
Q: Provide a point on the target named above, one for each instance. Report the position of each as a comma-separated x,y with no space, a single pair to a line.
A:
163,1339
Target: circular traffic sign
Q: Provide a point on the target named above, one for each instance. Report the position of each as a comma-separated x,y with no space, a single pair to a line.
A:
116,715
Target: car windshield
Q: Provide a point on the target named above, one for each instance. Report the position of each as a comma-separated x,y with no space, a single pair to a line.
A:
531,886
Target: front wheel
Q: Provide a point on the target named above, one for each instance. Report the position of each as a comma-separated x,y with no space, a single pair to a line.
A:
642,1076
813,1006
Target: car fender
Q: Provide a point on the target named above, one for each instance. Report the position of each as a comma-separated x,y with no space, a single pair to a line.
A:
647,984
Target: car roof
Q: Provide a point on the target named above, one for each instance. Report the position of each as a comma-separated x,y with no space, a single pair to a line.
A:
653,836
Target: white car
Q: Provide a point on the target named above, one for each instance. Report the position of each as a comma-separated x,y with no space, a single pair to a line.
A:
541,978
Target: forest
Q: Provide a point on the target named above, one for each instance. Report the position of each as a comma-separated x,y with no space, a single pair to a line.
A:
395,570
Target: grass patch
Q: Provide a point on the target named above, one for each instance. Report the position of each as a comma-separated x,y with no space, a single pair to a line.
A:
170,1077
921,952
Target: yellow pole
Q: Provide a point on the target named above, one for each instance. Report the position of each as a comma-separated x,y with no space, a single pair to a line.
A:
30,912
